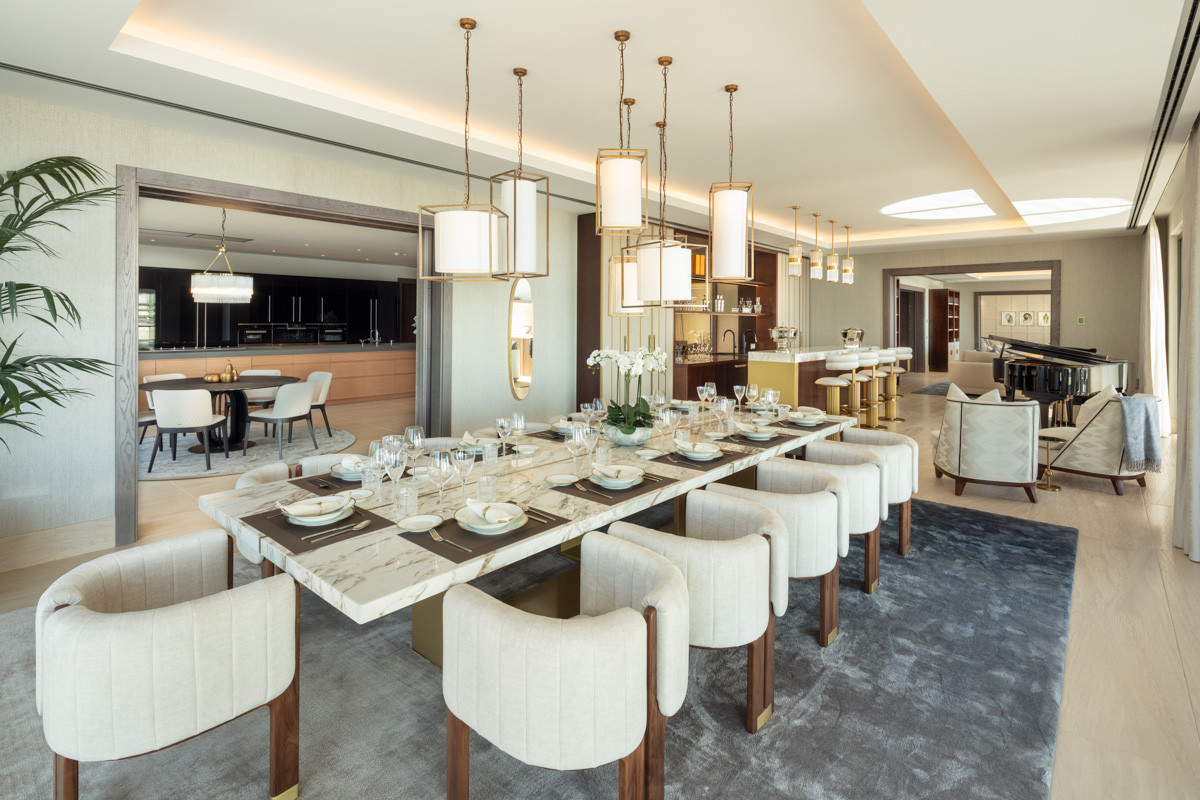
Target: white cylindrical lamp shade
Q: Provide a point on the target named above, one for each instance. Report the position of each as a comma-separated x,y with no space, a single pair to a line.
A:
796,260
621,193
831,274
629,286
221,287
831,260
465,241
848,270
664,272
518,199
729,234
814,264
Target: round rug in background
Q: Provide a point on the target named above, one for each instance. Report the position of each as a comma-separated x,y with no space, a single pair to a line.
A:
191,465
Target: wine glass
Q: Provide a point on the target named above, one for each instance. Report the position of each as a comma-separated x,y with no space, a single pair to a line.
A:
375,465
771,398
464,461
658,401
576,442
441,470
393,441
591,437
752,395
504,430
667,419
723,409
518,427
393,463
710,389
414,445
738,392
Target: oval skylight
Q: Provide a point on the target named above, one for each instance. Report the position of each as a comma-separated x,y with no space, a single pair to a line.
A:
962,204
966,204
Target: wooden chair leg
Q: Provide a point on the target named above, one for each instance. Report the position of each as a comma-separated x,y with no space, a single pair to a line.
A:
828,630
458,758
656,724
328,429
871,555
754,684
1118,486
937,472
207,460
311,433
631,774
1141,481
266,569
769,669
285,730
905,527
1031,493
66,778
959,485
154,451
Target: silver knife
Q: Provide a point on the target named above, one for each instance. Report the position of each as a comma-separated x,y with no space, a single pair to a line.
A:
316,534
340,531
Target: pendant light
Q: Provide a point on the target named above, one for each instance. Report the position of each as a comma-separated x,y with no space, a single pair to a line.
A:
814,255
622,180
831,260
221,287
731,220
847,262
795,249
515,193
664,266
622,268
468,237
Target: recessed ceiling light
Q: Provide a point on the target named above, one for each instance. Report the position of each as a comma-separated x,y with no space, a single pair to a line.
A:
961,204
322,255
396,254
154,240
306,244
272,251
1069,209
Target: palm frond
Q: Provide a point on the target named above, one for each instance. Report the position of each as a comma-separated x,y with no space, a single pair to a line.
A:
42,303
58,184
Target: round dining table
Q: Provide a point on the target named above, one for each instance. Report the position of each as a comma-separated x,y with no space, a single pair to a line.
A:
235,400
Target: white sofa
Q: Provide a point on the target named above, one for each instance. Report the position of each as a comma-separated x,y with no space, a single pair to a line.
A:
972,372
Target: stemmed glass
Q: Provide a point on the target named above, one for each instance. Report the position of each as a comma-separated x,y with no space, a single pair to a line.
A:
739,391
518,427
441,470
771,398
723,408
393,462
591,437
414,446
658,401
668,418
711,389
503,430
701,394
752,395
376,456
464,461
576,442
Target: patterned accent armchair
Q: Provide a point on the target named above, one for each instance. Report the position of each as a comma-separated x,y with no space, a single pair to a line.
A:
988,441
1097,449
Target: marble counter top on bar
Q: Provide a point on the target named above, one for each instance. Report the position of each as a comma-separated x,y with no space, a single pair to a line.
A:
801,354
369,576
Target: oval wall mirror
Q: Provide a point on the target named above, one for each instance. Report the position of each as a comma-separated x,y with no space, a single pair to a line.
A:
520,338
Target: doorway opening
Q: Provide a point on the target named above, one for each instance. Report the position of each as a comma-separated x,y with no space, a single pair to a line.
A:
910,325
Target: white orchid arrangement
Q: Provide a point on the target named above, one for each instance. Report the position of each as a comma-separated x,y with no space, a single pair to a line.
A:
630,364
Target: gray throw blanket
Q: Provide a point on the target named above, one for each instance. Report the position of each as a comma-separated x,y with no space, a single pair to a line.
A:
1143,446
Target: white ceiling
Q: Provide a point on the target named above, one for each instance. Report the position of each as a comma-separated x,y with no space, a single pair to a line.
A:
844,107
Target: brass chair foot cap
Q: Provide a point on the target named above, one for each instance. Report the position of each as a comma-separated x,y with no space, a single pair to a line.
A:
874,586
833,634
290,794
763,717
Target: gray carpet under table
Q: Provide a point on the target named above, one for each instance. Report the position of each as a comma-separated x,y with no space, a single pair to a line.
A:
943,684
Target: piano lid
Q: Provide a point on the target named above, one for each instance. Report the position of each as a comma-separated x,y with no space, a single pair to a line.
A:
1069,355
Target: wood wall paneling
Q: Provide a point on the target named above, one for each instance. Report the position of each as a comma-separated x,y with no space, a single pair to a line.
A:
589,298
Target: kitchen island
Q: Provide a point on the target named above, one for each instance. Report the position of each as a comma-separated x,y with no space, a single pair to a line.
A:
360,372
794,373
723,369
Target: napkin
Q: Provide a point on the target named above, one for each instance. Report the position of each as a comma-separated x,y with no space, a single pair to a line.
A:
744,428
354,463
315,507
471,441
616,473
496,514
698,447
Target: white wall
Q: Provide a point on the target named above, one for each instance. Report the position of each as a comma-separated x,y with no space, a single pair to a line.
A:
1101,281
66,475
967,292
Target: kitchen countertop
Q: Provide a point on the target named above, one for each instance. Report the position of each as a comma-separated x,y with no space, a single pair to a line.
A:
715,358
270,350
801,354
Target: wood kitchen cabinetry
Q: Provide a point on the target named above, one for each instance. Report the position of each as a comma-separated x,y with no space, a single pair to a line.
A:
943,328
724,371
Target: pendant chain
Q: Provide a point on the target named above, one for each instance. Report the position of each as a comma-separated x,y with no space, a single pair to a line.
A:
662,164
731,137
520,123
467,128
621,102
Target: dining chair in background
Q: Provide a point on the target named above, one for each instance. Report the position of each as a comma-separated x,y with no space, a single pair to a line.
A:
292,404
186,411
260,398
318,465
267,473
320,382
147,418
902,455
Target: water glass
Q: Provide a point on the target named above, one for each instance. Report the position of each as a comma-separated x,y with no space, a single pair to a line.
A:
602,456
405,500
487,488
414,443
441,470
518,427
682,435
504,430
576,442
491,457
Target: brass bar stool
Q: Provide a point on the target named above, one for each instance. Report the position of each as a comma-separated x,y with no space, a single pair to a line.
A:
836,362
868,360
890,371
905,355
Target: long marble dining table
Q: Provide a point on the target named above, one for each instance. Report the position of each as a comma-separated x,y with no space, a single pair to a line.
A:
371,575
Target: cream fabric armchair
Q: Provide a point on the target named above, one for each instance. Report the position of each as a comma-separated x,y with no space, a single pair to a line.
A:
1096,449
902,455
575,693
141,649
988,441
734,559
815,509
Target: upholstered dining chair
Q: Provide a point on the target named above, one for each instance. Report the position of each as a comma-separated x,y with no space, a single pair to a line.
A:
144,648
292,404
734,559
147,418
1096,448
186,411
902,455
864,476
261,398
815,510
318,465
267,473
988,441
320,382
574,693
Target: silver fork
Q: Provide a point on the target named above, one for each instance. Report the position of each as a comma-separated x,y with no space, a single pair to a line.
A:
437,537
585,490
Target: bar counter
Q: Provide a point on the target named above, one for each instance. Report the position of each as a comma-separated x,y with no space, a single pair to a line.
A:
794,373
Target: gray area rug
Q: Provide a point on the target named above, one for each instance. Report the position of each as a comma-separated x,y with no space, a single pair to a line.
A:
943,684
191,465
940,388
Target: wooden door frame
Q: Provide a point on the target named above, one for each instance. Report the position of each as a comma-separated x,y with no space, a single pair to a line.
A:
433,303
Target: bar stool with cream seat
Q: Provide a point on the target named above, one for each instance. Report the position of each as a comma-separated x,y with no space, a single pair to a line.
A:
868,360
186,411
887,360
292,403
734,558
261,398
905,355
833,384
571,693
147,418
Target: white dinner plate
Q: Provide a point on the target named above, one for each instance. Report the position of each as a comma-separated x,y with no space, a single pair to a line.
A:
808,423
700,456
649,453
338,472
760,437
324,519
561,480
763,421
356,494
472,522
419,523
607,484
714,436
527,449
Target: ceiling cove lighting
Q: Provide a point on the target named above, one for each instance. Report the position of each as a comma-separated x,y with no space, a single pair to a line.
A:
961,204
221,287
731,220
814,255
831,260
515,193
795,249
1069,209
622,180
848,261
468,238
664,265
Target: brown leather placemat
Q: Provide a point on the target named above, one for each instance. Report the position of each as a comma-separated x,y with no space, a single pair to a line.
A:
811,428
616,495
737,438
478,544
703,466
322,485
276,526
548,435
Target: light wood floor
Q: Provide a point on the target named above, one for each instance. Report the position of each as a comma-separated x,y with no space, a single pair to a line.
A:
1131,696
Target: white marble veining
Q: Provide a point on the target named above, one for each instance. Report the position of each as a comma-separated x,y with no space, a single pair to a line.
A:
801,354
371,575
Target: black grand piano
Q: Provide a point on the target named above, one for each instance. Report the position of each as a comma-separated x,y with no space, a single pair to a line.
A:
1057,377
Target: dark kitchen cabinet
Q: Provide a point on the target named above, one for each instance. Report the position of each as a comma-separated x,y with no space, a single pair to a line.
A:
724,372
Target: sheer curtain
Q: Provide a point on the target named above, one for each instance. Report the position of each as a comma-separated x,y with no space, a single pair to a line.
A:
1186,528
1153,354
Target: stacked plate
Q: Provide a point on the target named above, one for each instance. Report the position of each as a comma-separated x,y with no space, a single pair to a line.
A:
617,477
476,444
756,433
490,519
341,472
318,511
564,427
807,416
699,451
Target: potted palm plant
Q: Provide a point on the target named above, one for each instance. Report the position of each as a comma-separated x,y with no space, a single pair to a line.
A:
31,199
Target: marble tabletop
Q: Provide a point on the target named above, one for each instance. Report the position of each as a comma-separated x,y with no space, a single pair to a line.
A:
371,575
796,355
